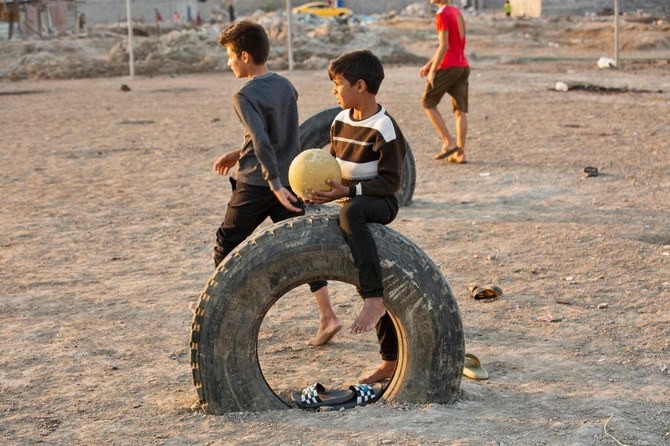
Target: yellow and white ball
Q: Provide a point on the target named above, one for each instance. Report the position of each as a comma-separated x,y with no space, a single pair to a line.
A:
309,171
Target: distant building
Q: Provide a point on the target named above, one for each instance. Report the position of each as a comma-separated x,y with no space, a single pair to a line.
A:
40,17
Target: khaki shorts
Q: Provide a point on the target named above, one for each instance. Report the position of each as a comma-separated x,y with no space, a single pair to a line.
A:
453,80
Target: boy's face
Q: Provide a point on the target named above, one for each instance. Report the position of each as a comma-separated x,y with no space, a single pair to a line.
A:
347,95
237,64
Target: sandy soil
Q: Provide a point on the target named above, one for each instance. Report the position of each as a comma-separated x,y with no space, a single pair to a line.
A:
110,207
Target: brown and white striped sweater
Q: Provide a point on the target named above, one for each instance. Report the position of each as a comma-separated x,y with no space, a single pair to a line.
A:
370,153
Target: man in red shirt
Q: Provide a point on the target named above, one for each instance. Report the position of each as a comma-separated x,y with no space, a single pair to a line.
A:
448,72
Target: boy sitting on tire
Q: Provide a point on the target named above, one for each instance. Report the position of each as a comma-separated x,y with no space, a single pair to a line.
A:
370,148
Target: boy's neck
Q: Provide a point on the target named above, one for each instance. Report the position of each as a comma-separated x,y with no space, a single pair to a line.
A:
365,109
257,70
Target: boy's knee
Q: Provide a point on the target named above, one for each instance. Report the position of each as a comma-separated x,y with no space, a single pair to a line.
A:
350,215
427,104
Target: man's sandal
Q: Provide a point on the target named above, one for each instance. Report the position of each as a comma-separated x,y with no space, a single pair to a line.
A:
444,153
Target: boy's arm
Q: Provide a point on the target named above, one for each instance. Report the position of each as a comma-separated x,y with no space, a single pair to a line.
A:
337,191
392,156
255,126
286,198
223,163
443,39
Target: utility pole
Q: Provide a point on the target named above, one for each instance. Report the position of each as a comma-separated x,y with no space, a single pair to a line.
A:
616,33
131,50
289,37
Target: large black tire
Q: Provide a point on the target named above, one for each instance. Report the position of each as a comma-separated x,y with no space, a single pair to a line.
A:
315,133
224,336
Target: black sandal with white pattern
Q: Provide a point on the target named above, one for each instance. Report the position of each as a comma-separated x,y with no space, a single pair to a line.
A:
315,395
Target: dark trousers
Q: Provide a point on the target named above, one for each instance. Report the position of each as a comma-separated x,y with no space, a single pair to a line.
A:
355,215
248,207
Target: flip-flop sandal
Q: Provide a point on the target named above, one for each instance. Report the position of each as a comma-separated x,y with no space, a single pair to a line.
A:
446,153
472,368
485,292
364,394
590,171
315,395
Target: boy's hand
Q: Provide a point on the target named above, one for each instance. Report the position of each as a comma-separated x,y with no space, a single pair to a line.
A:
223,163
287,199
337,190
430,77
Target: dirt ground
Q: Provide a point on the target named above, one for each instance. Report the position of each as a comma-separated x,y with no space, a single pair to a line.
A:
110,205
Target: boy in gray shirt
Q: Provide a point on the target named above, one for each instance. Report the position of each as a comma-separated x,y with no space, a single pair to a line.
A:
267,108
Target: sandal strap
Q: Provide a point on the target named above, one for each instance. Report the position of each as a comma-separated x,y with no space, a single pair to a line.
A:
364,393
310,394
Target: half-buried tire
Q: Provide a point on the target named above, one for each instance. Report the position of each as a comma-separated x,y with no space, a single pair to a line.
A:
315,133
224,336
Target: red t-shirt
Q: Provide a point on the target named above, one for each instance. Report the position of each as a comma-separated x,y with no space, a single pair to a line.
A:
446,19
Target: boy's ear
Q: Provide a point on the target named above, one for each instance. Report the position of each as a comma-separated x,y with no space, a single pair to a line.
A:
361,86
246,57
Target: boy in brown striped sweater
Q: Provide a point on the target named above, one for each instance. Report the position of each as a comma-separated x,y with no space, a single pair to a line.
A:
370,149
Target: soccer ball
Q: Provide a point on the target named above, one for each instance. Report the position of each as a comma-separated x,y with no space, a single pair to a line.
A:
310,170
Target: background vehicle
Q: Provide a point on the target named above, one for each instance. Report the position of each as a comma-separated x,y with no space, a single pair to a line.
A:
322,9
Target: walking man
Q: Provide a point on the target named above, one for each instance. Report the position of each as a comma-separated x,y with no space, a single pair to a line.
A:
447,72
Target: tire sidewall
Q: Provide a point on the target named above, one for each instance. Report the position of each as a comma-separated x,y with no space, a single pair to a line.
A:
252,278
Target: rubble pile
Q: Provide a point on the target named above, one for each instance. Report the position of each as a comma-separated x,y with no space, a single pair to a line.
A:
315,42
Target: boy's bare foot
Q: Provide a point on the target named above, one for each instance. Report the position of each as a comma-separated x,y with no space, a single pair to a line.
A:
457,157
193,306
373,310
382,372
327,330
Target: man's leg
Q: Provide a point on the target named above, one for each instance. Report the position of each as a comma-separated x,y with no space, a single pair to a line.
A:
461,128
448,141
432,96
459,104
461,135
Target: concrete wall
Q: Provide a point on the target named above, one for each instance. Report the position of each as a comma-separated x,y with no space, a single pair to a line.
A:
535,8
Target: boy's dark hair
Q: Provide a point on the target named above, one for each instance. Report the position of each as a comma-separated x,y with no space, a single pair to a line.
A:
359,64
248,36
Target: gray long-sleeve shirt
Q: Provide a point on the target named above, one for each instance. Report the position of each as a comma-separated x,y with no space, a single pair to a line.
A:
268,109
